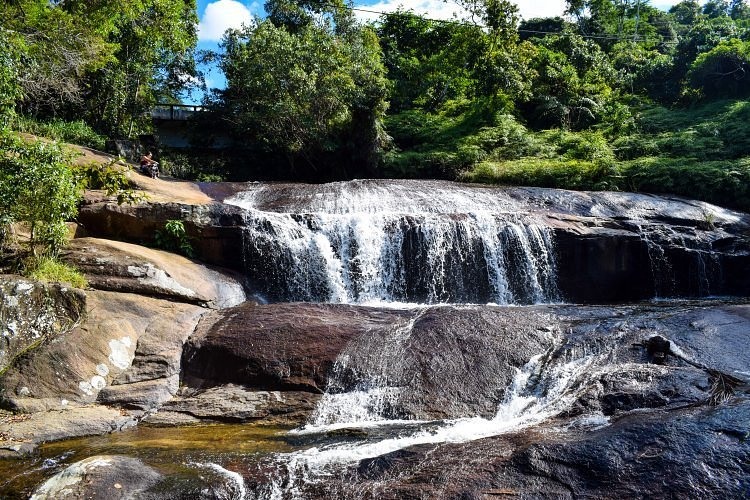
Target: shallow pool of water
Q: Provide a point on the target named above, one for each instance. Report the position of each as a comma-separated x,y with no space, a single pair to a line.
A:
170,450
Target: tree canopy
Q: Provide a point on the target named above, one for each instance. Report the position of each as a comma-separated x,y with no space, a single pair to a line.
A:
313,94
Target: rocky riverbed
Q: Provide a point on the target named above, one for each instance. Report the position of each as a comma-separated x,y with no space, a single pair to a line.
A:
641,398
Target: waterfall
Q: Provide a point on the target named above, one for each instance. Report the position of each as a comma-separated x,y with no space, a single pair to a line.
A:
364,243
544,387
371,398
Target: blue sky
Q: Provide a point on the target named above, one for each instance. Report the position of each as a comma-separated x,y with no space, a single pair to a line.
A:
218,15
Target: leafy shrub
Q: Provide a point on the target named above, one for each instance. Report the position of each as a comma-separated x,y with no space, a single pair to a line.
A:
723,182
174,238
10,65
48,269
722,71
37,186
202,168
111,178
635,146
554,173
589,146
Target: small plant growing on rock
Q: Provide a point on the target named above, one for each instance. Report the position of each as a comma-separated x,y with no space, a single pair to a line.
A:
174,238
708,220
47,269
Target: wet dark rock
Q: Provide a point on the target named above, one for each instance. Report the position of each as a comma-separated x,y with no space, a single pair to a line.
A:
687,453
276,347
657,347
451,362
446,362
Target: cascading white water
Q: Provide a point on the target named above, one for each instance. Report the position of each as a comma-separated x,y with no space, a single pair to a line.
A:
546,386
424,243
368,244
370,401
700,268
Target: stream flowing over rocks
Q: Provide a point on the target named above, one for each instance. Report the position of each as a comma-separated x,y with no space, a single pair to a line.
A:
386,339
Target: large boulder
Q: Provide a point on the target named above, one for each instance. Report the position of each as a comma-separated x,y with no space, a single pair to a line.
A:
102,477
125,267
125,354
276,346
125,339
235,403
433,362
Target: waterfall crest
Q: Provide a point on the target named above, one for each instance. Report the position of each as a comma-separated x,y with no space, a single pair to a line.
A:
365,242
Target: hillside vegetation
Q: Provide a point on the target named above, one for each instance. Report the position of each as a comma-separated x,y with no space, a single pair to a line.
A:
616,95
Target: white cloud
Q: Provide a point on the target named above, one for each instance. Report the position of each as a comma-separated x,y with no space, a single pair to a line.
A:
440,9
433,9
221,15
540,8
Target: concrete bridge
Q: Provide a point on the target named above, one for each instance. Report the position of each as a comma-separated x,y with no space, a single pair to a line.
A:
173,127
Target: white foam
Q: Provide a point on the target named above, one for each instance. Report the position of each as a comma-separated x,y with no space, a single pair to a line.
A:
235,487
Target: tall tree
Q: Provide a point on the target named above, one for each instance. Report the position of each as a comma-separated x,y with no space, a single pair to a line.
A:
10,62
310,86
154,44
58,50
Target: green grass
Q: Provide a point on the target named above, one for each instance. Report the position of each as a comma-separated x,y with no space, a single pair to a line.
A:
76,132
49,270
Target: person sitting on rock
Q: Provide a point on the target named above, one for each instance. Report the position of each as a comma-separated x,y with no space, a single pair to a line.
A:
149,166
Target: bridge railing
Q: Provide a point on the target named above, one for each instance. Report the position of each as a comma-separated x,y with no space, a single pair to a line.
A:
178,112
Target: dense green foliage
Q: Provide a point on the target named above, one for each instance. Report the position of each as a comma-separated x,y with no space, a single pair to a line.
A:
105,60
701,153
616,95
310,90
625,97
10,89
75,132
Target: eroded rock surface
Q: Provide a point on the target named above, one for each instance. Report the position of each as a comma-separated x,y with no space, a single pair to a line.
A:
125,339
687,453
214,229
124,267
32,313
